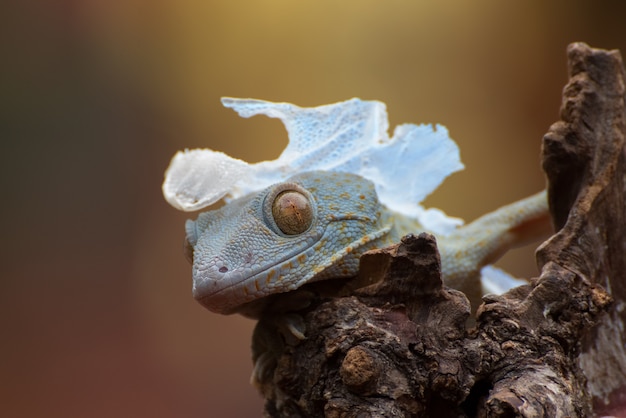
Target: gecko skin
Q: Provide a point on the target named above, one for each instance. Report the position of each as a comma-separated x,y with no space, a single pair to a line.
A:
316,225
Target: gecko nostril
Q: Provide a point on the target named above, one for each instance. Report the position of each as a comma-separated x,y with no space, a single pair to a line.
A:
223,269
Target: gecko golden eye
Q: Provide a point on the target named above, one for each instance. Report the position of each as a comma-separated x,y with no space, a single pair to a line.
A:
292,212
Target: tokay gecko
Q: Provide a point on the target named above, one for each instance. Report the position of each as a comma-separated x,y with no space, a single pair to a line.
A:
340,188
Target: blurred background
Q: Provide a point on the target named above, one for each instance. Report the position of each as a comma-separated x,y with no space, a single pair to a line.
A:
97,318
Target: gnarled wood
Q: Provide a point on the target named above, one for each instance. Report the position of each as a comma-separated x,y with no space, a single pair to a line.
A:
399,347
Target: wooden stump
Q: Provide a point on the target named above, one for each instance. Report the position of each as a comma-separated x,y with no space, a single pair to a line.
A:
400,348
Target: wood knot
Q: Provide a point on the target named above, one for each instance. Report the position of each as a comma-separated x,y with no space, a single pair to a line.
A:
360,370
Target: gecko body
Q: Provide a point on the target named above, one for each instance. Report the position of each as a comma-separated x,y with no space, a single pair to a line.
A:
316,225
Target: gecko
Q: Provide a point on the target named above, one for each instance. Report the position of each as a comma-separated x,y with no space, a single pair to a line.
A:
315,226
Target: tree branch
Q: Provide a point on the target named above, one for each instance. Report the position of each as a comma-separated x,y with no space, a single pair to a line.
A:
399,347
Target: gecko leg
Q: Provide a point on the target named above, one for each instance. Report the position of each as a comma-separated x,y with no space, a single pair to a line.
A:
471,247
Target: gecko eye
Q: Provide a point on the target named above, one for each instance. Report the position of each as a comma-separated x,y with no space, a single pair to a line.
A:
292,212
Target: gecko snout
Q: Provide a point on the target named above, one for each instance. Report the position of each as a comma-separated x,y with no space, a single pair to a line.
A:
214,284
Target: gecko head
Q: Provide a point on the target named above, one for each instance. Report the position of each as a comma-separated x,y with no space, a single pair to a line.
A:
308,228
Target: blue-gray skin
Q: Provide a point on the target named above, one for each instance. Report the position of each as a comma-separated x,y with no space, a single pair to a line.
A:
316,225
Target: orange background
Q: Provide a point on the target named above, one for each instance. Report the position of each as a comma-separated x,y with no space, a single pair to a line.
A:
97,315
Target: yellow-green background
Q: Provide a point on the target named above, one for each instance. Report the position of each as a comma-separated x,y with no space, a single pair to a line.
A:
97,318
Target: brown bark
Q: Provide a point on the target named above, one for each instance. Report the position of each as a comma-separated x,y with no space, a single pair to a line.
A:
400,347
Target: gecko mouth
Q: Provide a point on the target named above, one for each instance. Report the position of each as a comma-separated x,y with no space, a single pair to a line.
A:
243,288
211,283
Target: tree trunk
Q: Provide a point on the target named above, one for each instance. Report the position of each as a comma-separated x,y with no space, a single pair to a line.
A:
556,347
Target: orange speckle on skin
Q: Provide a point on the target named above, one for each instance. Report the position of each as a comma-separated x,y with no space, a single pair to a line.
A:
348,250
256,285
270,276
320,245
361,196
245,290
301,258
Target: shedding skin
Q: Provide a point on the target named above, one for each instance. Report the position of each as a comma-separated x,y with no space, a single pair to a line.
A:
316,225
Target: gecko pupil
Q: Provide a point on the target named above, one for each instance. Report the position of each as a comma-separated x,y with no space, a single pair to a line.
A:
292,212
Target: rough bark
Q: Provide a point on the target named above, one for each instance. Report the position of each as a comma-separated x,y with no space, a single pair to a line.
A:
400,348
583,157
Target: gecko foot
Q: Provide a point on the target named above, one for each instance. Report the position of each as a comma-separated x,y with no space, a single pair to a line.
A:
269,339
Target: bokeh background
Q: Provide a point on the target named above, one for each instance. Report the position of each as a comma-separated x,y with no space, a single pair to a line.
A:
97,318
